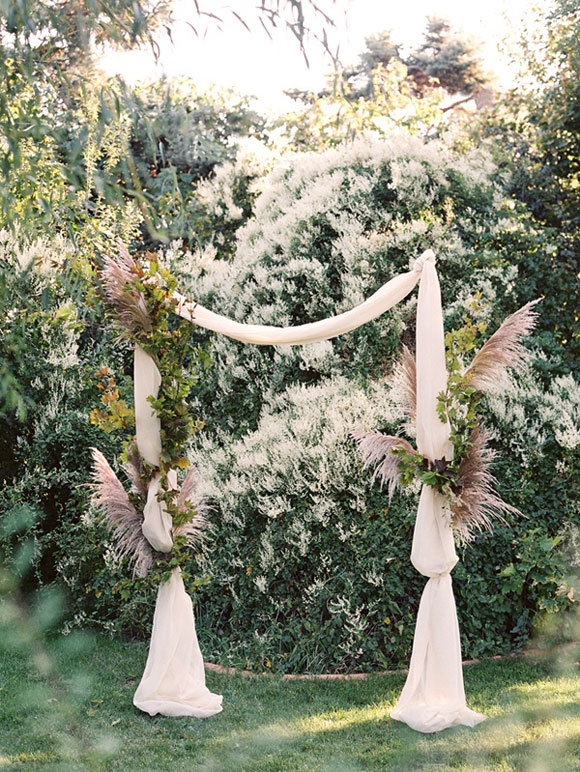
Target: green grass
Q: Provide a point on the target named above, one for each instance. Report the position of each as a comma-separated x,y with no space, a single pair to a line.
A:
68,706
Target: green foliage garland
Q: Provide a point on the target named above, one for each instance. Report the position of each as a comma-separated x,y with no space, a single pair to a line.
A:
457,406
167,339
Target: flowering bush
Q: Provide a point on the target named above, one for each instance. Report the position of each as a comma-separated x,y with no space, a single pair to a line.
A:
57,351
331,228
309,564
309,567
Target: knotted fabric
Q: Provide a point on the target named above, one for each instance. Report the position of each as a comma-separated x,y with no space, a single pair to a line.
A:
173,683
384,298
433,697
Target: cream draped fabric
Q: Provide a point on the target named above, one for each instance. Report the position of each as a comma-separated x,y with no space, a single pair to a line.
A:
433,697
173,683
146,383
386,297
147,380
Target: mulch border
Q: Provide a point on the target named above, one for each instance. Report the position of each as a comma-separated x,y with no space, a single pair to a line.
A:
362,676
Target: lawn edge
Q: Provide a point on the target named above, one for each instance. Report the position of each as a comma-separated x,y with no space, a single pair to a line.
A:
533,651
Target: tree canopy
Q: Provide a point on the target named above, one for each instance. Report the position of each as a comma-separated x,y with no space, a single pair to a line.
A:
389,87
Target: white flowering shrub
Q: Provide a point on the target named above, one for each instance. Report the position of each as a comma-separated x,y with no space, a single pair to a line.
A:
329,229
53,341
316,556
308,566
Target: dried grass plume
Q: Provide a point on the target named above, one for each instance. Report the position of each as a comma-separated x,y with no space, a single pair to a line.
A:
406,377
136,471
195,529
504,349
477,504
126,303
120,516
376,450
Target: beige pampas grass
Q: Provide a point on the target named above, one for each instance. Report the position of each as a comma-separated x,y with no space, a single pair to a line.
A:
195,529
477,504
406,377
123,520
504,349
136,471
120,516
376,449
126,302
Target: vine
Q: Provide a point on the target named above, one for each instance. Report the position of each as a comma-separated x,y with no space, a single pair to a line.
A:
457,406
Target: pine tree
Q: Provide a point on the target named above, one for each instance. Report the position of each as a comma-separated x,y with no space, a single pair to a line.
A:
450,58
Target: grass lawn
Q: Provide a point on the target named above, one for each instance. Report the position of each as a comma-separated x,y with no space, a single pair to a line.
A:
75,713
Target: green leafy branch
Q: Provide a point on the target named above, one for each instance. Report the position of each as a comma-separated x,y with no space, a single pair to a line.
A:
458,405
439,474
145,293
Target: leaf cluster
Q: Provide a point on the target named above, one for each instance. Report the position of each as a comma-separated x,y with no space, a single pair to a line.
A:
458,405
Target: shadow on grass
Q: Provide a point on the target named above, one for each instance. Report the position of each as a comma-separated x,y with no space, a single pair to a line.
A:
67,705
533,724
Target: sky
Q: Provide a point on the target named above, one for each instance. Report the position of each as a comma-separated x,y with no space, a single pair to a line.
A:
229,55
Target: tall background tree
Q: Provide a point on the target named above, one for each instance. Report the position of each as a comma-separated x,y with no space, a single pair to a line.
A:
448,57
535,129
390,88
55,105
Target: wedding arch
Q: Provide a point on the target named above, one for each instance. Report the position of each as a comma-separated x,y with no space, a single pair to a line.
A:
173,683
